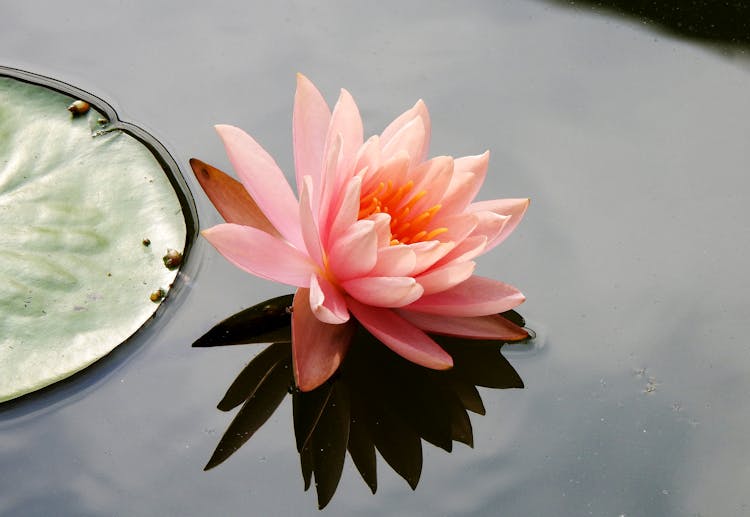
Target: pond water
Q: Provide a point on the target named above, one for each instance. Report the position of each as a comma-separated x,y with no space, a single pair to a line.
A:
632,144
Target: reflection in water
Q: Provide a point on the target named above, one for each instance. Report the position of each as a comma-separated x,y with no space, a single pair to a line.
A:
712,22
376,401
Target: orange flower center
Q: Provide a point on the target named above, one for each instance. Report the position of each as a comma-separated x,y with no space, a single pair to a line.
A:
407,225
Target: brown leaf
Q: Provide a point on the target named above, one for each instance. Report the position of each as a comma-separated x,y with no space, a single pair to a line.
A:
230,198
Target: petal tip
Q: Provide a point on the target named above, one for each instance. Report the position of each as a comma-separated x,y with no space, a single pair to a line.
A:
207,231
224,129
303,81
446,365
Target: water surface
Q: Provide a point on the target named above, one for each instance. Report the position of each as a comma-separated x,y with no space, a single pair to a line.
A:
632,144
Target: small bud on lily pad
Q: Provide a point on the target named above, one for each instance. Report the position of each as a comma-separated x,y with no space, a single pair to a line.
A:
78,107
172,259
157,295
146,241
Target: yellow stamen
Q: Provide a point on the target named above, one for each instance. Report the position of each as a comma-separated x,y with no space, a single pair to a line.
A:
397,202
434,233
413,201
401,229
400,193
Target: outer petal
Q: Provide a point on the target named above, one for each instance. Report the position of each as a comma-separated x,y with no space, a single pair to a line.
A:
384,291
355,253
309,128
443,278
490,224
317,348
477,296
401,336
492,326
516,208
261,254
230,198
264,181
418,110
327,302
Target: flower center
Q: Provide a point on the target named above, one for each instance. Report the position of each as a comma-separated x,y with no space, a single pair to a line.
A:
407,224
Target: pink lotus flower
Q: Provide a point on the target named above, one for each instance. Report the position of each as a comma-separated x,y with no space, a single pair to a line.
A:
379,232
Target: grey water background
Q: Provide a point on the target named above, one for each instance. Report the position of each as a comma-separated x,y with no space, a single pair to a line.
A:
633,145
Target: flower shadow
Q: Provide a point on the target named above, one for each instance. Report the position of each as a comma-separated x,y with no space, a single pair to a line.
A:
377,401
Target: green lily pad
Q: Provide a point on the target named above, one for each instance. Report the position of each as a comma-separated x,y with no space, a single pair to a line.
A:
87,211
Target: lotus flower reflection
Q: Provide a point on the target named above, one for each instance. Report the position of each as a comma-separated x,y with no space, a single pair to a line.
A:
380,233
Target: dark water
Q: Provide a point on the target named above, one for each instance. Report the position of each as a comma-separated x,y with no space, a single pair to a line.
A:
632,144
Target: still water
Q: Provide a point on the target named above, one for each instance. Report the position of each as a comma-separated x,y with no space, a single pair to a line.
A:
632,144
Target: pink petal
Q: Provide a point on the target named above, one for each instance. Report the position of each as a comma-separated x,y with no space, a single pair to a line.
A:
411,138
327,302
382,228
433,177
322,199
346,121
418,110
454,199
368,156
399,260
384,291
492,326
396,166
261,254
429,252
459,228
489,226
440,279
469,248
355,253
310,126
317,348
477,296
264,181
401,336
307,222
348,210
470,172
516,208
